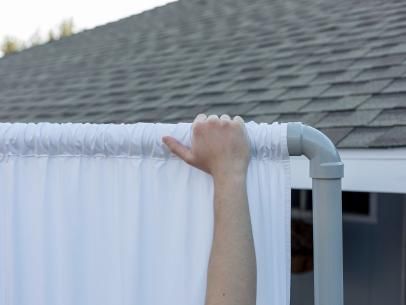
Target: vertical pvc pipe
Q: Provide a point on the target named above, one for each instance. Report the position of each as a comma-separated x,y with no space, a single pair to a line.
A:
326,171
327,235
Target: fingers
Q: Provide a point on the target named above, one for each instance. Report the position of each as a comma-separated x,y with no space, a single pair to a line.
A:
212,117
178,149
224,117
238,119
200,117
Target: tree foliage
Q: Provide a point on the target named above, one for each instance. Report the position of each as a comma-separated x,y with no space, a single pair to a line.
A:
51,36
11,45
66,28
35,39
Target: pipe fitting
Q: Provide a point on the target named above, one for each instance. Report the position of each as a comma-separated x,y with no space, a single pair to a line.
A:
325,162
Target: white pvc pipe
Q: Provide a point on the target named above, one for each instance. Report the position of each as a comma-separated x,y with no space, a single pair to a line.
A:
326,171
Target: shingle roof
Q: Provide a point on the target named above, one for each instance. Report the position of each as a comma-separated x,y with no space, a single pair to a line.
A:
337,65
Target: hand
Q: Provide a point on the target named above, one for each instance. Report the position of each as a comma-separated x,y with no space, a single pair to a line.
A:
219,146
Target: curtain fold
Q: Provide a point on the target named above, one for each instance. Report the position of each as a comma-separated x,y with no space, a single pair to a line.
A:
104,214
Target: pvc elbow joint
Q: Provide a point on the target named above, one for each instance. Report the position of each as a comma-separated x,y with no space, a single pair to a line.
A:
325,162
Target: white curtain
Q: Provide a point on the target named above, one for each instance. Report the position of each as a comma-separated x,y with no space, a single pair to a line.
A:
104,215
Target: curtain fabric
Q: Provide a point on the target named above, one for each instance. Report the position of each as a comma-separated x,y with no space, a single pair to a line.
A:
105,215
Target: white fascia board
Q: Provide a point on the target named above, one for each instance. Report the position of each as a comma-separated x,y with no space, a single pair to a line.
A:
365,170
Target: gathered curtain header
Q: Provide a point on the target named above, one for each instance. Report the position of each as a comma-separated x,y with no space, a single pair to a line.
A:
122,140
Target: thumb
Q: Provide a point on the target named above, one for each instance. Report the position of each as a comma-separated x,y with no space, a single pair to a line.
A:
178,149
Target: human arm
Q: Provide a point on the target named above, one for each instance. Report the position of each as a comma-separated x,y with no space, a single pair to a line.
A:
220,148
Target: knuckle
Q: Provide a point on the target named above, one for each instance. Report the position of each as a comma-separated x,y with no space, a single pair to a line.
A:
235,124
197,124
198,128
224,123
213,121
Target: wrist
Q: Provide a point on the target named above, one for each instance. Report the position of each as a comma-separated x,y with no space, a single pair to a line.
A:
233,178
229,189
225,170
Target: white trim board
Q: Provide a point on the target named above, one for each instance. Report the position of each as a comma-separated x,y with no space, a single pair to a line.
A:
365,170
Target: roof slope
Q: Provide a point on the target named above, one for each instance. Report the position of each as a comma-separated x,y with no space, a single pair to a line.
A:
336,65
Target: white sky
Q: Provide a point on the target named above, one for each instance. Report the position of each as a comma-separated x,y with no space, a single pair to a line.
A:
22,18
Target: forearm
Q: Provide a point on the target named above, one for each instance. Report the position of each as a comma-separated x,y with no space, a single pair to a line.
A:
232,266
220,147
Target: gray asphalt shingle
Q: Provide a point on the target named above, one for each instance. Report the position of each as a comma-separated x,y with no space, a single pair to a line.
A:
265,118
293,80
398,85
334,104
261,96
378,61
394,137
390,117
307,118
348,118
304,92
336,77
336,134
362,137
355,88
381,73
278,107
384,101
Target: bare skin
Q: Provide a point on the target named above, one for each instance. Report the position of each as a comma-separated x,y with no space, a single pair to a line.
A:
220,147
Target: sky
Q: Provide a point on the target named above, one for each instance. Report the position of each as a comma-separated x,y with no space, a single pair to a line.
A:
22,18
